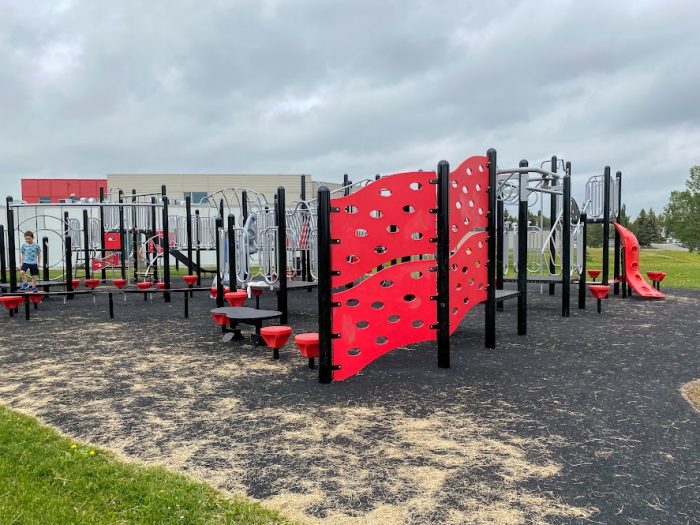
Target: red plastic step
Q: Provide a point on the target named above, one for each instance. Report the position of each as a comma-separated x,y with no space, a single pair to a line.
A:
144,285
656,276
75,283
36,297
594,274
11,301
235,298
307,344
119,283
220,319
160,285
190,280
92,283
599,291
276,336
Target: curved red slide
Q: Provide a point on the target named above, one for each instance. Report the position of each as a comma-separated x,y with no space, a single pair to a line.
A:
634,278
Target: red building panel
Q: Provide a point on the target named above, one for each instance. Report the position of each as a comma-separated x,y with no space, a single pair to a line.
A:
34,190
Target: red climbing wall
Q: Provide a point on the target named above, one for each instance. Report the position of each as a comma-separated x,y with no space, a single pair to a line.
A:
386,220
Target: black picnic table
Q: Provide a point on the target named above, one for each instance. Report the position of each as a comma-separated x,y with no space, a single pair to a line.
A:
245,315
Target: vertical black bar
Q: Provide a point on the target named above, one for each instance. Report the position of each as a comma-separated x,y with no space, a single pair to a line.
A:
282,254
69,266
111,306
566,243
103,251
11,248
500,247
232,279
86,243
325,314
166,246
45,260
606,226
221,209
244,206
155,243
199,247
187,305
26,308
188,215
219,279
522,250
618,241
443,264
552,221
490,305
122,237
3,260
582,277
304,251
346,182
623,277
135,235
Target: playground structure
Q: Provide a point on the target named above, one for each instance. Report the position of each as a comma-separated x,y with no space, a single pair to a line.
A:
397,259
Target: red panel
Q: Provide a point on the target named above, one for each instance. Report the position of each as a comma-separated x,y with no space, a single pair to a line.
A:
387,219
113,241
468,277
389,309
469,200
59,189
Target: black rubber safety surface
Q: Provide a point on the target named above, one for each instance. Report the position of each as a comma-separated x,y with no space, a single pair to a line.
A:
581,420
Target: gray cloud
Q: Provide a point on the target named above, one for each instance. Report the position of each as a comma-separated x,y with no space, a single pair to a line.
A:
363,87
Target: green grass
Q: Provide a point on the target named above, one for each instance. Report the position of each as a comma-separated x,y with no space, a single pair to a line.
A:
47,478
682,268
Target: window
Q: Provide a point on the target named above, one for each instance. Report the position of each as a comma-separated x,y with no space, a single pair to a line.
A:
44,200
197,196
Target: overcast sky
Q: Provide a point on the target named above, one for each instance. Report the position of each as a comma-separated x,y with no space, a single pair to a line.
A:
327,87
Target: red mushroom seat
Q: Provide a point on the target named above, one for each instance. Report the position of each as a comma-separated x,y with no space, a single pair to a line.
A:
657,277
92,283
308,346
11,301
213,291
36,297
594,273
160,285
190,280
236,298
599,291
220,319
144,285
119,283
275,337
75,283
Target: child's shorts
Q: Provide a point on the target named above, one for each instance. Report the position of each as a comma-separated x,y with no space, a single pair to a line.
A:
33,269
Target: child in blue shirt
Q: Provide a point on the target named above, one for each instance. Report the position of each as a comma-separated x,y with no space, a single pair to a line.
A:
29,260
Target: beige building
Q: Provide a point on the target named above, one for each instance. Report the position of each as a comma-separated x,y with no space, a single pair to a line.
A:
198,186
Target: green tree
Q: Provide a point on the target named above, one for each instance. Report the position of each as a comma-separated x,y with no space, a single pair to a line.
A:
682,213
624,218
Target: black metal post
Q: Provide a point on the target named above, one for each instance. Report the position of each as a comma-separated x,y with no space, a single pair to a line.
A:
122,237
443,264
490,304
618,240
103,251
111,306
69,267
199,247
134,235
522,250
500,247
45,260
219,277
86,243
282,254
552,221
582,276
232,278
346,182
606,226
325,314
11,248
187,305
304,252
566,243
188,214
3,252
244,206
166,246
